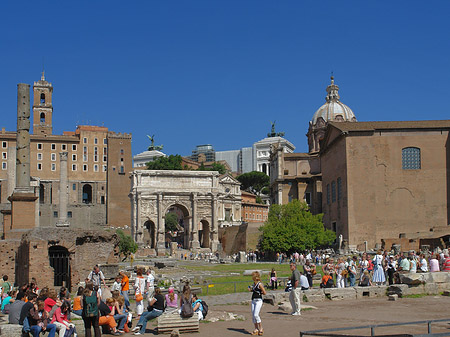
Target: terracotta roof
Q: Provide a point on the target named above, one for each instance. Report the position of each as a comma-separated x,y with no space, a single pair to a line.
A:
372,126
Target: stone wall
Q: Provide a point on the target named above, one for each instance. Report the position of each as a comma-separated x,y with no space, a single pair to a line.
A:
8,261
233,239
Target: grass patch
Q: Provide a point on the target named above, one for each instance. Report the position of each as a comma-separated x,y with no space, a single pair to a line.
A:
415,296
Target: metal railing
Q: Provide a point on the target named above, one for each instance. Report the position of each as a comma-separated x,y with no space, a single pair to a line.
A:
329,332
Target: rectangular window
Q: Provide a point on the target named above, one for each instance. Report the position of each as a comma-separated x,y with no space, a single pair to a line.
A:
95,141
63,147
121,152
5,155
39,167
53,166
55,214
39,156
53,147
53,156
95,150
333,191
339,188
4,166
105,151
85,157
39,146
104,168
74,167
95,168
74,147
328,194
308,198
69,214
105,141
74,157
85,150
104,159
102,199
4,145
74,187
411,158
122,170
85,168
84,140
95,158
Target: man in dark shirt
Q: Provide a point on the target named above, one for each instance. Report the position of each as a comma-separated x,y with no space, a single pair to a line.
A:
16,307
294,296
25,312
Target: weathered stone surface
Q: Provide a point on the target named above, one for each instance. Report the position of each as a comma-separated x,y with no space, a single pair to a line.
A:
11,330
110,270
398,289
431,288
419,289
313,295
393,297
275,298
285,306
335,294
412,278
374,291
438,277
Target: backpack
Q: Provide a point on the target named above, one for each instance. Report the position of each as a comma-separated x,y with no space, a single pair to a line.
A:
70,332
330,283
91,308
186,308
205,308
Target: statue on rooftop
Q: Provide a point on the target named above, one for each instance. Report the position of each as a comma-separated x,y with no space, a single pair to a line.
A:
272,133
153,146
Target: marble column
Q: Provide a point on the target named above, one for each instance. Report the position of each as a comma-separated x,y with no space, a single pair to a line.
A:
11,172
160,243
214,225
195,244
23,138
63,190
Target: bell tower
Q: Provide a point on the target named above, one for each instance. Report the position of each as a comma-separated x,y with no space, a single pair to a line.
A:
42,107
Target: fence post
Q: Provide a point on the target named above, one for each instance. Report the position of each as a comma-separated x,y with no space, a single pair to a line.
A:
235,286
372,331
207,288
429,327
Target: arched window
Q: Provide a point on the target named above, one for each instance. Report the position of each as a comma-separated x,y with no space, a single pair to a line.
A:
264,168
411,158
87,194
42,117
42,98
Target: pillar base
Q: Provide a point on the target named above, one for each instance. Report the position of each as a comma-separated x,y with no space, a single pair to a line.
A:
215,246
160,249
195,244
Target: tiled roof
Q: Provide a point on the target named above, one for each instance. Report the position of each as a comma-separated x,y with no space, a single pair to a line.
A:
372,126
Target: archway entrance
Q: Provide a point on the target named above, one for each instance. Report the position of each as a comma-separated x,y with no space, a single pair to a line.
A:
203,234
60,262
177,225
150,234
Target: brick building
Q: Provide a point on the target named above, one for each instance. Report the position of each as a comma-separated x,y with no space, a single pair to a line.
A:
97,166
251,210
377,183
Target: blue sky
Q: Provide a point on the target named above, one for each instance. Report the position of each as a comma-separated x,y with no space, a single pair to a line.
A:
197,72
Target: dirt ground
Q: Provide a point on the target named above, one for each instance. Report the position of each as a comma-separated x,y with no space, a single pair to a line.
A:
332,314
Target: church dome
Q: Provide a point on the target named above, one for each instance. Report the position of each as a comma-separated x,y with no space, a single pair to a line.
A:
333,109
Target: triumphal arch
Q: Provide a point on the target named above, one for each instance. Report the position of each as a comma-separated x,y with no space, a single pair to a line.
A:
202,201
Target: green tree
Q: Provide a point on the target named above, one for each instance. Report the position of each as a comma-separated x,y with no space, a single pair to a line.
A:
127,246
171,221
214,167
292,228
254,182
172,162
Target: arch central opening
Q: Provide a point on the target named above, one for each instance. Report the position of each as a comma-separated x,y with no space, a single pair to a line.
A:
176,226
150,234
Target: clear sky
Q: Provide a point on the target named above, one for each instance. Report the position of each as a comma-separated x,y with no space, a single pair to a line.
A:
219,71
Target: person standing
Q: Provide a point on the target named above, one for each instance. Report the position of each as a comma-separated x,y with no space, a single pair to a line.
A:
309,270
97,277
257,290
294,296
150,285
352,271
90,313
139,290
273,279
125,284
378,274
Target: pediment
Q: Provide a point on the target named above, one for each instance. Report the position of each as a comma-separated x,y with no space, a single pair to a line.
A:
227,179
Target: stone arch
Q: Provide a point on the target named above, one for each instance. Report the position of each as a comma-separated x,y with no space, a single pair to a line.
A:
183,218
204,230
59,258
150,234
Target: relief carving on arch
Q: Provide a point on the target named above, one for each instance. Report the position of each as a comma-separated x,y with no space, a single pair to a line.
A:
185,202
148,209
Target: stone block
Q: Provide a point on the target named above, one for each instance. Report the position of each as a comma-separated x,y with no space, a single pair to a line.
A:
335,294
275,298
374,291
285,306
416,290
412,278
439,277
398,289
431,288
393,297
443,287
11,330
110,270
313,295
